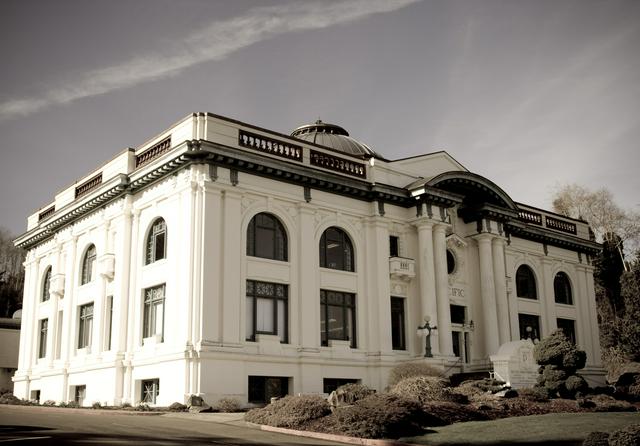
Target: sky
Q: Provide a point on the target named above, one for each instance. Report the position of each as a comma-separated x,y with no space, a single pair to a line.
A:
532,94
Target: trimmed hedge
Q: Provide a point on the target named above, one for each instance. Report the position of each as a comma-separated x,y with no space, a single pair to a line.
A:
423,389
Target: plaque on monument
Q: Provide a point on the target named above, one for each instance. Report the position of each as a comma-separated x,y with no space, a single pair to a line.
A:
515,365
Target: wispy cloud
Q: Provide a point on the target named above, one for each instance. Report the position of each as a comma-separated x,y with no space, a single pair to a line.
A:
213,42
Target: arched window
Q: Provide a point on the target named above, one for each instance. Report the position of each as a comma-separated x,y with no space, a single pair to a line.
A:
526,283
451,262
88,265
267,238
46,285
156,242
336,250
562,289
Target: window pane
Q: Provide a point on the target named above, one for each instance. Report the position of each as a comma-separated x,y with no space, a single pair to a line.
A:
159,318
337,324
249,319
529,326
282,324
397,323
264,315
159,254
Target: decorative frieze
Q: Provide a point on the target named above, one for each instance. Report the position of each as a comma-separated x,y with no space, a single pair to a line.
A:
338,164
88,185
269,145
153,152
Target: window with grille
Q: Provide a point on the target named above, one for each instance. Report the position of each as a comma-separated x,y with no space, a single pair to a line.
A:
398,334
337,317
150,391
267,310
154,312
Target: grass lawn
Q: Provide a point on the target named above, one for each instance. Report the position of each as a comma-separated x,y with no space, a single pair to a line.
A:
549,429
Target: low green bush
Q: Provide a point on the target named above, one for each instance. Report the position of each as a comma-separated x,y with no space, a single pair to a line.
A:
411,369
537,394
10,398
142,407
350,393
49,403
380,416
627,436
606,403
484,385
96,405
449,413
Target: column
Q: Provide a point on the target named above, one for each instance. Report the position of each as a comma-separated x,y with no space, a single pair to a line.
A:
211,263
488,293
28,303
232,249
130,309
442,290
583,321
427,277
548,301
379,336
590,297
308,314
500,279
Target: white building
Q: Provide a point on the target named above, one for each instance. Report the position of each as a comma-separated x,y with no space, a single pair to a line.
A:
222,259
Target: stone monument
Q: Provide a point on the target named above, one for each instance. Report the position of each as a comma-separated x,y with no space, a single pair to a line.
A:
515,365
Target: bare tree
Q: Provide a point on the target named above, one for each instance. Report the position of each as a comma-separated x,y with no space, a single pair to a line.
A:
11,275
604,216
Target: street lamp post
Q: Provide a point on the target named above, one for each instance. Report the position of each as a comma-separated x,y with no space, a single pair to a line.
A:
426,331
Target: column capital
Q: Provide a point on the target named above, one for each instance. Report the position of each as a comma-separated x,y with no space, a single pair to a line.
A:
499,240
421,222
484,236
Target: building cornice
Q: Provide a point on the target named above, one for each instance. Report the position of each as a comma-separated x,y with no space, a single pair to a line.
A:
542,235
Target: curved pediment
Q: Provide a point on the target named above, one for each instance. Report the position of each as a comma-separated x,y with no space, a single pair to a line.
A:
475,188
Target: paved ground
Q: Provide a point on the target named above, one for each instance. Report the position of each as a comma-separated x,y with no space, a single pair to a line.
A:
26,425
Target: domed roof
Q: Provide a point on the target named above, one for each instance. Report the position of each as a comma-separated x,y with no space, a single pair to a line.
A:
334,137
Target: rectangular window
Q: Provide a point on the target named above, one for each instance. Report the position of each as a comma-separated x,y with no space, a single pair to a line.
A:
150,389
267,310
331,384
529,326
568,326
458,314
108,323
35,396
393,246
85,326
263,388
153,312
42,347
397,324
337,317
79,394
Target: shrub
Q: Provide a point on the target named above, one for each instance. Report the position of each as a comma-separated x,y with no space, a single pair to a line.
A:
606,403
142,407
96,405
380,416
10,398
627,436
350,393
574,360
449,413
290,411
409,370
49,403
125,405
423,389
228,405
596,439
484,385
552,349
70,405
177,407
575,384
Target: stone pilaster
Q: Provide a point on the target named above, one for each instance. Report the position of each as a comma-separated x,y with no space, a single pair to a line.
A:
308,327
442,290
427,278
502,302
232,249
488,293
